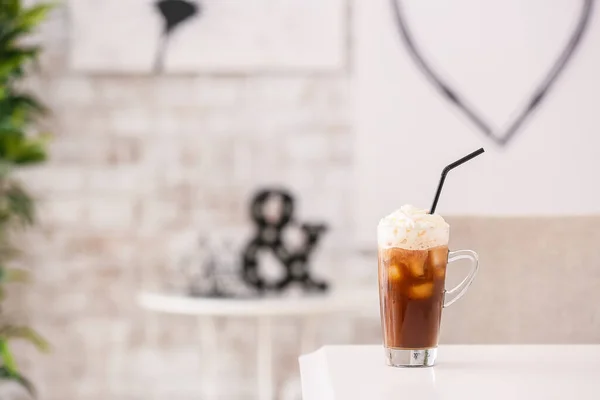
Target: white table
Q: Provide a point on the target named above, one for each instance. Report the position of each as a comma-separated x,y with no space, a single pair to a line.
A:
264,310
498,372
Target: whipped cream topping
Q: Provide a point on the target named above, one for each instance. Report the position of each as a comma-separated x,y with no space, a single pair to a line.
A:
412,228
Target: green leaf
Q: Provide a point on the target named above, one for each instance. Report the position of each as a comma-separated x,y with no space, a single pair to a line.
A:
7,127
16,148
12,60
20,204
21,101
11,275
9,35
16,207
8,360
25,333
32,16
5,374
31,153
10,8
16,112
22,23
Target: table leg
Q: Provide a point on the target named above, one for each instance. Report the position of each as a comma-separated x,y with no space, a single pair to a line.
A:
309,332
264,359
308,328
209,344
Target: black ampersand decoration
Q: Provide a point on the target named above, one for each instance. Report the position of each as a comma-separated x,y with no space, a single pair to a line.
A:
269,236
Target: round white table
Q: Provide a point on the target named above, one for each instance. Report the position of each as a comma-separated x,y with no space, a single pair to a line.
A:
264,310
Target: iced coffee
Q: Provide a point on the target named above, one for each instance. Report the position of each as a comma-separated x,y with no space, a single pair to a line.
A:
413,255
411,286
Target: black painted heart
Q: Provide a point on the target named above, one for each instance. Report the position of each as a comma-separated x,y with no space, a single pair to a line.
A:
453,94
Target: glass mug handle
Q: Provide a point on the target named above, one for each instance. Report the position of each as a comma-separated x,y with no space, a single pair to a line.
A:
450,296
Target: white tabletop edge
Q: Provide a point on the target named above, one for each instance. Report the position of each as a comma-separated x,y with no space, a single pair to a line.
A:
342,301
493,372
314,376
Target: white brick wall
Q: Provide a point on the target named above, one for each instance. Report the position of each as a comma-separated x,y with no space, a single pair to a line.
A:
136,161
67,212
71,90
53,180
127,120
127,181
106,213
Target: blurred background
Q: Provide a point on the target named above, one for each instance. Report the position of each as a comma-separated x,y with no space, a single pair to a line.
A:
165,118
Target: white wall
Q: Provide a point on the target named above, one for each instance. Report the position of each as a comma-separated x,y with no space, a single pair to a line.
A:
494,55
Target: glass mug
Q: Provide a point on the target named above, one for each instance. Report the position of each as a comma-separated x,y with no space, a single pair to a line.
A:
411,296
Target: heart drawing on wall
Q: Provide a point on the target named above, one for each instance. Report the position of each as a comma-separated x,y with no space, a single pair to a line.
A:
453,95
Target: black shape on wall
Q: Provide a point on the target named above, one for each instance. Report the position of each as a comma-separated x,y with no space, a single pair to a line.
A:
174,12
454,97
269,237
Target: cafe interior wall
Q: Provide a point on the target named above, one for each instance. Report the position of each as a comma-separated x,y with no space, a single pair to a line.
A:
137,160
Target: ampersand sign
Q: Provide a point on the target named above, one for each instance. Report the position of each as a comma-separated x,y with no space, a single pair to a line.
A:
270,225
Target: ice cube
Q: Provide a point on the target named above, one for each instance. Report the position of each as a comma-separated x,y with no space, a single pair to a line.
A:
438,256
421,290
439,271
394,272
416,266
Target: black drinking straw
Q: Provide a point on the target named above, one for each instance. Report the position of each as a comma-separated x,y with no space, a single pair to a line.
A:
448,169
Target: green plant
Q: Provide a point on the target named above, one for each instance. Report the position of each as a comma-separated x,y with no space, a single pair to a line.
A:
20,145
